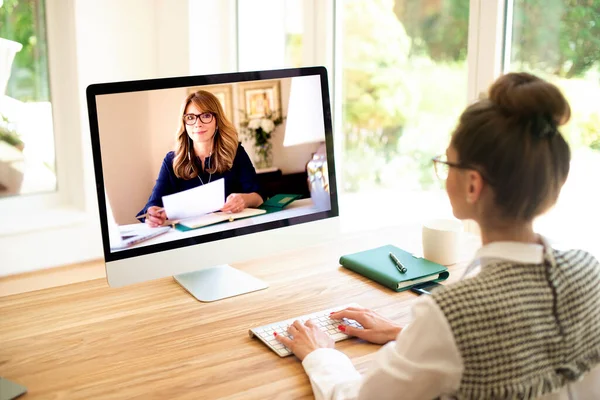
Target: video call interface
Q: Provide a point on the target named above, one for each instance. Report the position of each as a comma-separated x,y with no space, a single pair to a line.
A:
137,130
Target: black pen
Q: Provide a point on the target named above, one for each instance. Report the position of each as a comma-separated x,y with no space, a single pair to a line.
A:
397,263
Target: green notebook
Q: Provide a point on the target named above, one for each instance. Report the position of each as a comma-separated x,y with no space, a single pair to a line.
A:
376,264
280,200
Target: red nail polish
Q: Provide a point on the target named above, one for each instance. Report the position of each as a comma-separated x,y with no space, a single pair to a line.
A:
274,333
342,328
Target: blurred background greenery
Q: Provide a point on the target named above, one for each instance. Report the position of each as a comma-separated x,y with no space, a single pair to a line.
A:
24,21
405,79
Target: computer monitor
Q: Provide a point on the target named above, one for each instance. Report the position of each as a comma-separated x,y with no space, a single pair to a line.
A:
284,146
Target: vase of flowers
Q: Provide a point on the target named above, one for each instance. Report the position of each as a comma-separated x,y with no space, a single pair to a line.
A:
259,131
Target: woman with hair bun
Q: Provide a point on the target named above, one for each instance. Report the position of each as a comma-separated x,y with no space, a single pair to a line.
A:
524,322
206,149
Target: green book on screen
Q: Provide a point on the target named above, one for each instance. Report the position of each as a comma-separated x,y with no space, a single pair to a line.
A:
377,264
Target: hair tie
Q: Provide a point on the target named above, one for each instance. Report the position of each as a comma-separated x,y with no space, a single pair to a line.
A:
544,127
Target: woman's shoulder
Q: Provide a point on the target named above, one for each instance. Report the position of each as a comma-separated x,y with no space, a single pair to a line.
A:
573,255
574,261
240,148
241,152
169,157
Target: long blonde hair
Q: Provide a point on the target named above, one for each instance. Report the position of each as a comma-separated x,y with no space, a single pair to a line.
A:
225,141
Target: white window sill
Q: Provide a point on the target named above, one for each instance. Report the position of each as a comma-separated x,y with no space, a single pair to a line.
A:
42,220
46,239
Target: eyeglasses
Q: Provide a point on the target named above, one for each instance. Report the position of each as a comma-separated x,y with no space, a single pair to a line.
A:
205,118
442,168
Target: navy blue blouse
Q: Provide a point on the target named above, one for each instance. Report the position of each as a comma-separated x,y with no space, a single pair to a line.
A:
241,178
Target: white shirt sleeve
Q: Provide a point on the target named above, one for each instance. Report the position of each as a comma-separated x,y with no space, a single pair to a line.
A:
423,362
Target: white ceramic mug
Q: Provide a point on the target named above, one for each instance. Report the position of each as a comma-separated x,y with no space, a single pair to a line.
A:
441,240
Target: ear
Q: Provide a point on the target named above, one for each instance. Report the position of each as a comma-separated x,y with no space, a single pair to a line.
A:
474,185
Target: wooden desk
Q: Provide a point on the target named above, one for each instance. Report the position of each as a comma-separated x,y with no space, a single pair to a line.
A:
154,340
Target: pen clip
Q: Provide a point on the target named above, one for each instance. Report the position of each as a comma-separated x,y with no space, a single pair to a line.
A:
401,268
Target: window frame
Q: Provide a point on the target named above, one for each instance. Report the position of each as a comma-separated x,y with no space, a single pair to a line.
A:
61,224
65,117
65,223
486,36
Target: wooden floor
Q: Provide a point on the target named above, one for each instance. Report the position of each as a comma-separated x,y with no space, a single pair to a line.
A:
52,277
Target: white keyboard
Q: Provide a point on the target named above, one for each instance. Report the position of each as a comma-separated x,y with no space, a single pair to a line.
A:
326,324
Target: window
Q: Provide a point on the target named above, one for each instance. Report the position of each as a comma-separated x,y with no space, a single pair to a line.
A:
27,156
403,67
275,34
559,42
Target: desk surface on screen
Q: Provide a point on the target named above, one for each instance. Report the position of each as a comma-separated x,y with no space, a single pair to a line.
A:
295,209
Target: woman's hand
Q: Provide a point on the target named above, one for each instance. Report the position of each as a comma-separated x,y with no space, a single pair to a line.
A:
156,216
375,328
235,203
305,339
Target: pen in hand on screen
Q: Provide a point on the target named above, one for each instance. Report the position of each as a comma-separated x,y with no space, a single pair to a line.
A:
398,264
162,210
170,223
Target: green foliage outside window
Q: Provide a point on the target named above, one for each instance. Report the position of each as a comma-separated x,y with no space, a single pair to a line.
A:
561,37
8,134
376,93
404,78
24,21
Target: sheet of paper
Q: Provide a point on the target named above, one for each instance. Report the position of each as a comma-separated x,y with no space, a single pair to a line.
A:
135,229
195,202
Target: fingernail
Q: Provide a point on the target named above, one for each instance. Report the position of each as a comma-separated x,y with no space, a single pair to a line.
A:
274,333
342,328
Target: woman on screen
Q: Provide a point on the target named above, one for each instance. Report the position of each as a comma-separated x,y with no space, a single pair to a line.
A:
527,324
206,149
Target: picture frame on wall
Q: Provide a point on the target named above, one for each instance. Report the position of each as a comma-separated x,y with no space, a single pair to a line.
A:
222,92
260,98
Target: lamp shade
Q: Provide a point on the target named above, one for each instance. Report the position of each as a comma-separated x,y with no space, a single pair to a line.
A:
304,122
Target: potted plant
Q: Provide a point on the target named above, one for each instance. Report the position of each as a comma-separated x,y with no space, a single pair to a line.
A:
9,135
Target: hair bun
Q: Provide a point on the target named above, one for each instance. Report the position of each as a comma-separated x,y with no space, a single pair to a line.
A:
529,97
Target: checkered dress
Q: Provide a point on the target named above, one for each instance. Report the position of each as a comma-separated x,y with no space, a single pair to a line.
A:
525,330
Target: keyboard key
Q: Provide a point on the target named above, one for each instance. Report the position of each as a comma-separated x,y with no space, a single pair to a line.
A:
321,319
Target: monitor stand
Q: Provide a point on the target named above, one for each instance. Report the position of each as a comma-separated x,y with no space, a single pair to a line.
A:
10,390
219,282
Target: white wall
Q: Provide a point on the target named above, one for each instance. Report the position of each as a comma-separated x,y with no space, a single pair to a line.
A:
215,20
262,34
136,130
125,158
164,108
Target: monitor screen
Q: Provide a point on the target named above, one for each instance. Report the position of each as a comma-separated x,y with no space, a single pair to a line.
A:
183,163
